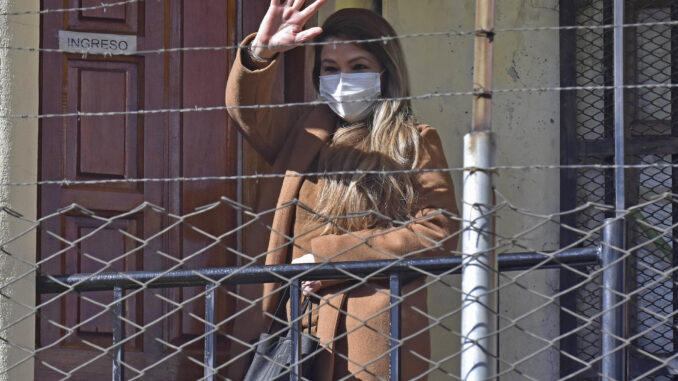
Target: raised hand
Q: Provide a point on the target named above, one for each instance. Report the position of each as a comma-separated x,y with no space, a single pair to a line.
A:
284,25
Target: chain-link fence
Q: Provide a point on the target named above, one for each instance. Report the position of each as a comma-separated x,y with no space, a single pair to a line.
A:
151,291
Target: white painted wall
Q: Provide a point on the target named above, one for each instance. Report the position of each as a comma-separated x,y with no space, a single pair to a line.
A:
527,132
19,73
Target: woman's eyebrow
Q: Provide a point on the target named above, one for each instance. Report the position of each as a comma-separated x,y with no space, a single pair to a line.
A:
359,58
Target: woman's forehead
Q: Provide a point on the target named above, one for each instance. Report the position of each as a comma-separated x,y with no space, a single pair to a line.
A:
345,52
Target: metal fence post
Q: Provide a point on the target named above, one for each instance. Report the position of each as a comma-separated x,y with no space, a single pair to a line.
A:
479,270
396,336
613,307
210,333
295,298
479,274
619,146
613,332
118,312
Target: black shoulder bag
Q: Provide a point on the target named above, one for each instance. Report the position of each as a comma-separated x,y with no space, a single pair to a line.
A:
273,352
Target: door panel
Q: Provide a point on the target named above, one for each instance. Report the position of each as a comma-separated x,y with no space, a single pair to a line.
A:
115,19
89,227
102,245
104,146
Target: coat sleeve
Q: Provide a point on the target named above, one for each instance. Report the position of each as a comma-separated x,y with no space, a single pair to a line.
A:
251,83
434,230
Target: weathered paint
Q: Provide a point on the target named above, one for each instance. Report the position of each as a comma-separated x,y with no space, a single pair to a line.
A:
18,163
479,277
527,131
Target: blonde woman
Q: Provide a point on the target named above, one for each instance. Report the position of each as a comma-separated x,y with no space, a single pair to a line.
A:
354,216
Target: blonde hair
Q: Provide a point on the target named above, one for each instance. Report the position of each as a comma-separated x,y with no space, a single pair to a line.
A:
388,141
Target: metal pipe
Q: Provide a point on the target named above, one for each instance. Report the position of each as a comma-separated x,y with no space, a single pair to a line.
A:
395,356
118,346
210,336
619,188
483,66
479,274
295,364
48,284
674,171
240,153
613,319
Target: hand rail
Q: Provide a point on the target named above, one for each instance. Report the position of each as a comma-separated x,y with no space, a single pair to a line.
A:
49,284
398,271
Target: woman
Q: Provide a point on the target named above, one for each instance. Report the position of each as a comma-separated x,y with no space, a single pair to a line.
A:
347,217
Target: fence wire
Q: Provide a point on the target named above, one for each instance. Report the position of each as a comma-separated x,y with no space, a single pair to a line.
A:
549,317
108,248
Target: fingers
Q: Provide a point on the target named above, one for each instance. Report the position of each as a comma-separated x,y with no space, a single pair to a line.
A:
312,9
297,4
310,286
307,34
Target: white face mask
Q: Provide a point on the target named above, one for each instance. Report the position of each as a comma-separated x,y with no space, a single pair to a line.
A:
351,95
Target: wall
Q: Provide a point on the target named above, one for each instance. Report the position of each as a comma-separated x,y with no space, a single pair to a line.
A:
527,132
18,163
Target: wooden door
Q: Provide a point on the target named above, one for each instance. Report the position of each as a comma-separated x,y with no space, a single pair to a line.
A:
135,225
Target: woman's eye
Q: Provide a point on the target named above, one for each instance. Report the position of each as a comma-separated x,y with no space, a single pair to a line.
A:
329,69
359,67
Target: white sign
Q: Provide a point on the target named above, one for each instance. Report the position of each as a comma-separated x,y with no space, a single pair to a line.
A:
97,43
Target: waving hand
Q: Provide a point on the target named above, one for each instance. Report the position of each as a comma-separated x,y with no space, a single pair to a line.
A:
284,25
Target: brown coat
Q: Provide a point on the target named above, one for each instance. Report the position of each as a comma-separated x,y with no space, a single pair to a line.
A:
289,138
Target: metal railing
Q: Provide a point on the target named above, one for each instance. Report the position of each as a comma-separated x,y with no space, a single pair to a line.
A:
397,272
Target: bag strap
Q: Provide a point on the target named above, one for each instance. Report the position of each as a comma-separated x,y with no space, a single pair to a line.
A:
307,305
280,309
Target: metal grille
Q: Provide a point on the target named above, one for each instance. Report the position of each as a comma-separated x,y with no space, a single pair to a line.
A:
648,60
651,308
590,71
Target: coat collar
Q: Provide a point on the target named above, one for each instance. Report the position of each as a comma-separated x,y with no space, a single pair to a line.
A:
307,146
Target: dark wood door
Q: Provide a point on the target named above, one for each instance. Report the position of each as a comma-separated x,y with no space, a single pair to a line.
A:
135,225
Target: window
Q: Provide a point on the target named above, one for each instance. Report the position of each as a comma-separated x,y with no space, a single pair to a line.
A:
651,124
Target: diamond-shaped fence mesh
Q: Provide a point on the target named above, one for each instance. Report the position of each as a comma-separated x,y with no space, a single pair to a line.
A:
75,318
165,292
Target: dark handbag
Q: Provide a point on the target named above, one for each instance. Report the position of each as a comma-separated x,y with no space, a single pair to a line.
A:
273,353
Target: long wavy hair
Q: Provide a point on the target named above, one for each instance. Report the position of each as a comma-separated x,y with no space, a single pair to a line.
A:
387,140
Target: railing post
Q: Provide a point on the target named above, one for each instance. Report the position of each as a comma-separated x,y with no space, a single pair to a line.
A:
619,140
479,266
295,291
118,312
210,330
613,320
396,309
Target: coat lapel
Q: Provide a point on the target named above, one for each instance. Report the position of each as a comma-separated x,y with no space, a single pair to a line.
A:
330,309
306,148
307,144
